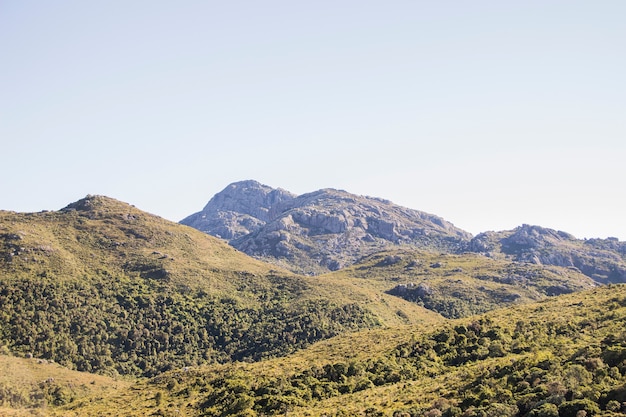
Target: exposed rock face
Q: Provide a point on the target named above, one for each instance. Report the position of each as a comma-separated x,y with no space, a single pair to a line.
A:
239,209
319,231
604,260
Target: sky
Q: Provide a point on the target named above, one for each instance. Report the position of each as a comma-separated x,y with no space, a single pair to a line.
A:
490,114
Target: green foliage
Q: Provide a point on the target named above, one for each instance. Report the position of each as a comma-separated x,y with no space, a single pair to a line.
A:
560,372
574,408
103,287
112,324
544,410
107,289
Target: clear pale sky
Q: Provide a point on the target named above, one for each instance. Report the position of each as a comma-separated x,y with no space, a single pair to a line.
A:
490,114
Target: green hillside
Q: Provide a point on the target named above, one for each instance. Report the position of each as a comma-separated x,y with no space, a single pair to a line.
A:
29,386
554,358
101,286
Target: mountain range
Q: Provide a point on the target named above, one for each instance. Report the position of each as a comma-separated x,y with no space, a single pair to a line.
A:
329,229
326,303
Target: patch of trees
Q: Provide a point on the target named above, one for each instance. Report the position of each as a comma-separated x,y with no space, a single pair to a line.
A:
454,302
122,325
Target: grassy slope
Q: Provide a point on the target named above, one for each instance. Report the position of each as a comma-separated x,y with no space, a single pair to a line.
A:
105,233
566,349
104,241
108,235
155,396
29,385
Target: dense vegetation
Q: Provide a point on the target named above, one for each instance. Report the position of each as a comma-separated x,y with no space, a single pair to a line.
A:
135,326
552,359
103,287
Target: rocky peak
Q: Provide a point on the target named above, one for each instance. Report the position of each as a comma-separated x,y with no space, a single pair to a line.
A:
329,229
248,197
527,236
238,209
318,231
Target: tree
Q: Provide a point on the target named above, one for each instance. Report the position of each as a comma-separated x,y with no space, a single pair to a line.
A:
545,410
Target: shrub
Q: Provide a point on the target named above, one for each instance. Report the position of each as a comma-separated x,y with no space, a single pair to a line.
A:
545,410
572,408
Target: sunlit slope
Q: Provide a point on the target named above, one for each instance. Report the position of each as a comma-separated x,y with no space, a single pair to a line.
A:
102,233
30,386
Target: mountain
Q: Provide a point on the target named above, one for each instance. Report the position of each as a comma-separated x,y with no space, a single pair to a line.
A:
329,229
321,231
604,260
102,286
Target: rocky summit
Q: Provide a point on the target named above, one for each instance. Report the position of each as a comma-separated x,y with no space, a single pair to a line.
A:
320,231
239,209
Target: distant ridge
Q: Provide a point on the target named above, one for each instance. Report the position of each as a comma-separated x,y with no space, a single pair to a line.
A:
330,229
604,260
319,231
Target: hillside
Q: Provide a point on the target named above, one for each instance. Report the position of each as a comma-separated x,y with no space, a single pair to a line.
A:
320,231
101,286
556,358
460,285
28,385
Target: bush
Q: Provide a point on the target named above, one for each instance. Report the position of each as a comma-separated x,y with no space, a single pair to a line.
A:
572,408
545,410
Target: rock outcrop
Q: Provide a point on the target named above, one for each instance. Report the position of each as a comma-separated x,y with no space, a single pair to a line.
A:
319,231
239,209
604,260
